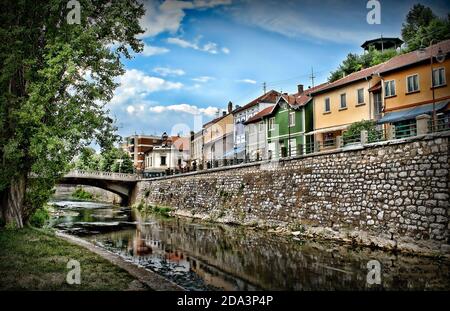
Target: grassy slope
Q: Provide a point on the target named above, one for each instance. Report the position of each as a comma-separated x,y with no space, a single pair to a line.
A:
33,260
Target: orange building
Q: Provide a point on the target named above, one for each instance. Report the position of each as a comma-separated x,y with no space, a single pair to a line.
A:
409,88
218,139
343,102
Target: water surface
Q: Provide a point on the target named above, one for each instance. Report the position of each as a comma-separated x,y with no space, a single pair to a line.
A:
207,256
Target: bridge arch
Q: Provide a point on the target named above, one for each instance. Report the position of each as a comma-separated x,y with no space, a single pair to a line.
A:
118,183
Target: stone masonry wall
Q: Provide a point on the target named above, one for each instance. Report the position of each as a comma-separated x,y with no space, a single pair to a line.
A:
393,195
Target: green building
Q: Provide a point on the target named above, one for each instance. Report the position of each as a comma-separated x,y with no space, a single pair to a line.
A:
290,122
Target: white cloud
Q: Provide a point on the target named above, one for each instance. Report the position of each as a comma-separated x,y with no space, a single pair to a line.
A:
150,50
249,81
135,109
203,79
190,109
292,19
135,85
168,15
166,71
209,47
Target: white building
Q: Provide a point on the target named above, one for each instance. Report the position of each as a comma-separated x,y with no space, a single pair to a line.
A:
171,157
243,114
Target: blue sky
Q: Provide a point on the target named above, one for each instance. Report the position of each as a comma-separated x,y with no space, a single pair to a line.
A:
201,54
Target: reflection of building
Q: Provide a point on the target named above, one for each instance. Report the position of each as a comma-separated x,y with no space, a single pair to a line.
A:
171,156
137,145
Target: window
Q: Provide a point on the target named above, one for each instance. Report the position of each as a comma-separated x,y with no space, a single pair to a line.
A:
343,101
389,88
412,83
292,118
360,96
163,160
327,105
271,124
438,77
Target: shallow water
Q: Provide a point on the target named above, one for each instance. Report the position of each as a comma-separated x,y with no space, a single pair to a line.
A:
206,256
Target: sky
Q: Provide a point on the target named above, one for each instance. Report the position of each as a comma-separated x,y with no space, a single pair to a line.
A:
199,55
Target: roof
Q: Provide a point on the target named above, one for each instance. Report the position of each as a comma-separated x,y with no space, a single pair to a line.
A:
181,143
353,77
394,63
216,120
269,97
260,115
389,42
414,57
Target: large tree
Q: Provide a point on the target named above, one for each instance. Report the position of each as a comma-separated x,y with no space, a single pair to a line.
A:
422,25
55,80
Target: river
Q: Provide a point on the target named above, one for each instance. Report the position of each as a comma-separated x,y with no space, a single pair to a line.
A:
207,256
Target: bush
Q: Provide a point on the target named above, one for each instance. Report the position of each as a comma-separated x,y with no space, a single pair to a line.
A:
40,217
81,194
355,129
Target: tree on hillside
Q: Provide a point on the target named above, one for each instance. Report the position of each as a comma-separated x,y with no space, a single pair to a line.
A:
55,79
422,25
355,62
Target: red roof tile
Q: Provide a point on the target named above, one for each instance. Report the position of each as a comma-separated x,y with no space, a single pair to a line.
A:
414,57
260,115
269,97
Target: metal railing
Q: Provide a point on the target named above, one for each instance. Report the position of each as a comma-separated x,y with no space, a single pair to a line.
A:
442,124
405,130
101,175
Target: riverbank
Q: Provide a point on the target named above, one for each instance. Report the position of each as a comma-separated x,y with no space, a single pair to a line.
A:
33,259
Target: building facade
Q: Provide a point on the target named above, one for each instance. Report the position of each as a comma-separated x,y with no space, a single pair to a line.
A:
351,99
137,145
218,140
411,81
172,156
242,115
196,149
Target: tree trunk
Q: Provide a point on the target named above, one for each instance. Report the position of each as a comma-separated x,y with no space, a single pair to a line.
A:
12,199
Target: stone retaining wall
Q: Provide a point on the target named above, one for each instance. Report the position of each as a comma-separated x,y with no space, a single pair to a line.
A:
393,194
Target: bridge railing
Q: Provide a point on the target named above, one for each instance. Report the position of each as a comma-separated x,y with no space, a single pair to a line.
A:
102,175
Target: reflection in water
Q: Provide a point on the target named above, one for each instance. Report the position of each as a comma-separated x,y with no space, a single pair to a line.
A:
201,256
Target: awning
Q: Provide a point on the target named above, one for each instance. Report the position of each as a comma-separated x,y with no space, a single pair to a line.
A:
329,129
376,87
411,113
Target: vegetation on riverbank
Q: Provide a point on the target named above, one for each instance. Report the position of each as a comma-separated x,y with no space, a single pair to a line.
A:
37,260
82,194
164,211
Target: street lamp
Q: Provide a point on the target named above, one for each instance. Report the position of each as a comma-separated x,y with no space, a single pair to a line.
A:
440,57
120,161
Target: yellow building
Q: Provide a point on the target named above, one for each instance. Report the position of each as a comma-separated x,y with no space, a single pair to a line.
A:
345,101
218,140
408,87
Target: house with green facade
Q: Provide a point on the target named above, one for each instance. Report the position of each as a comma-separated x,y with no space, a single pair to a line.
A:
290,122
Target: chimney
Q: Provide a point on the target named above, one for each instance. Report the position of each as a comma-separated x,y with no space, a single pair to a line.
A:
300,88
230,107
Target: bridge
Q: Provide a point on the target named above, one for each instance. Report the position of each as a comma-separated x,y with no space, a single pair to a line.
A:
119,183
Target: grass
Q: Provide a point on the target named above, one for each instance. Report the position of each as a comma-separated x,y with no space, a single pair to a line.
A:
159,210
37,260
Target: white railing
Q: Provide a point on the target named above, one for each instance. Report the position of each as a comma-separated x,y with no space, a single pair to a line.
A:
101,175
